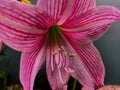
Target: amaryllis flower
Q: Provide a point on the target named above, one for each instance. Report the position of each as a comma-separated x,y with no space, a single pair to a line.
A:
58,34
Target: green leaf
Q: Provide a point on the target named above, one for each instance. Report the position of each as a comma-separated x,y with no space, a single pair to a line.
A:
2,74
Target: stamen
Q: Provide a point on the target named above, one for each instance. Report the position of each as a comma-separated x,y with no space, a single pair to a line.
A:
53,53
59,52
65,53
59,49
62,47
71,54
56,52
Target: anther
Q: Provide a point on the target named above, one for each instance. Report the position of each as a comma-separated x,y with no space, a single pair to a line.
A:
71,54
56,52
53,53
62,47
59,49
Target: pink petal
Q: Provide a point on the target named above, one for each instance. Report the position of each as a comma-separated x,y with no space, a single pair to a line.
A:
88,35
75,8
22,15
19,40
30,64
16,34
87,64
54,8
57,76
63,8
102,15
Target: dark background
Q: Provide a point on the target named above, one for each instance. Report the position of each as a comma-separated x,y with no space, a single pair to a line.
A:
108,45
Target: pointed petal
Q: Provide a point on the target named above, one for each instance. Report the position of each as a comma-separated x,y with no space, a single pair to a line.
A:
30,65
93,62
19,40
86,64
57,76
22,15
101,15
14,32
88,35
81,6
54,8
63,8
76,8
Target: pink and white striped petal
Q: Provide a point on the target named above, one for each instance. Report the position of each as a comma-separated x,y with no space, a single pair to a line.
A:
54,8
66,58
20,40
62,9
94,17
16,34
30,64
75,8
88,35
86,64
22,15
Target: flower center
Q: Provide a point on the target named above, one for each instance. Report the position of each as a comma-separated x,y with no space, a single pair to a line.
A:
54,35
57,48
55,39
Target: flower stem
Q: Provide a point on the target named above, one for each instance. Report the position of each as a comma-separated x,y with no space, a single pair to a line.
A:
74,84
